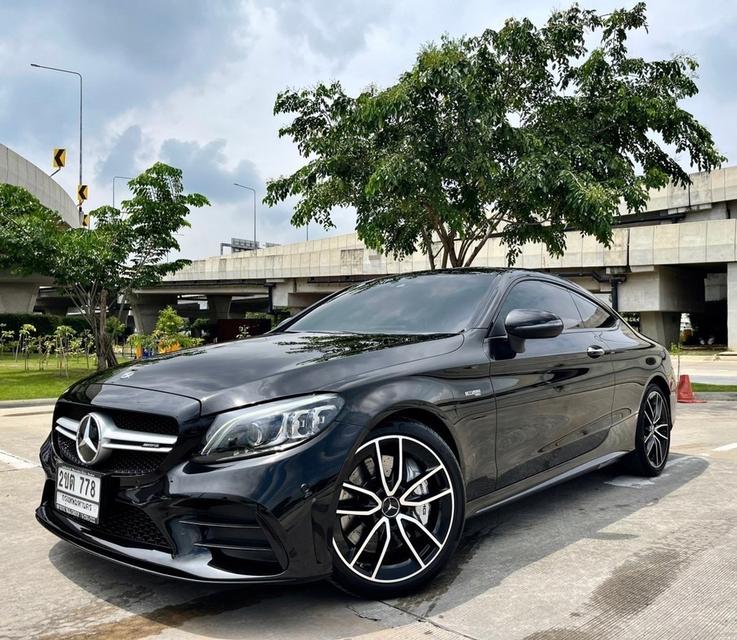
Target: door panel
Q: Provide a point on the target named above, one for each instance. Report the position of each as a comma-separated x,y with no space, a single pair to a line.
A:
554,401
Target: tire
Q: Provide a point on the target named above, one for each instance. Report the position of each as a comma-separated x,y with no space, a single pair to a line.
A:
652,439
388,539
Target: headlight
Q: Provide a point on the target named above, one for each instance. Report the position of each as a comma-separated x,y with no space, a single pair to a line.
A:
270,427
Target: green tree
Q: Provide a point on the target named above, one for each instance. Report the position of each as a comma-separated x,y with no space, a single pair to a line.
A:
5,336
63,335
526,131
115,328
99,268
25,343
169,323
28,232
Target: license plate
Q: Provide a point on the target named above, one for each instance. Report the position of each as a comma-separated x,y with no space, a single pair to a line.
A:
78,493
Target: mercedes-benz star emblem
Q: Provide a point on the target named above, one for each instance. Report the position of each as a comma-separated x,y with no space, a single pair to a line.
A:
89,439
390,507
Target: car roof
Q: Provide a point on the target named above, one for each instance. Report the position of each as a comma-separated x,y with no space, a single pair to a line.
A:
511,273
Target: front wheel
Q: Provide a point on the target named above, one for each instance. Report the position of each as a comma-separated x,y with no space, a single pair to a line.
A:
399,513
653,433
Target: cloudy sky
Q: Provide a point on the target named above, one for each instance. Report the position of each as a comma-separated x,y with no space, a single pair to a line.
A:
193,84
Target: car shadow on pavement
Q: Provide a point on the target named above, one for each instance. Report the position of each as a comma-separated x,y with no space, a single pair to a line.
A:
494,546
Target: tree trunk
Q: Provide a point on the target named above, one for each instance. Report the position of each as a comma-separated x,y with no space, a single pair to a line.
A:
103,345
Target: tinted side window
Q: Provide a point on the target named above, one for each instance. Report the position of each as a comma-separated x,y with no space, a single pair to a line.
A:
533,294
593,316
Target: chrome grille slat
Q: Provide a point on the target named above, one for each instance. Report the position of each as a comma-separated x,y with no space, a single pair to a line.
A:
116,438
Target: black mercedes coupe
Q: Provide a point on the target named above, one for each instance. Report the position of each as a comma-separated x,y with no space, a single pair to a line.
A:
354,440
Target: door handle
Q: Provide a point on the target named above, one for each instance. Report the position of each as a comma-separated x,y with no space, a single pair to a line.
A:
595,351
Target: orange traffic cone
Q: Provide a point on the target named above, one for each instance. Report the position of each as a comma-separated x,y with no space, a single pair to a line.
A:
685,392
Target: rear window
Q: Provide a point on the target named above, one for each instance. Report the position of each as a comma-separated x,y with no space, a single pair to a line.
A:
593,316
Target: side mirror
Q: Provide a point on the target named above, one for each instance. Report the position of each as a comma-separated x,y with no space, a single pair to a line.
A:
528,324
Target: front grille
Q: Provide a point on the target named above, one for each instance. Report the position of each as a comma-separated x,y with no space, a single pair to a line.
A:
120,461
125,522
131,420
128,463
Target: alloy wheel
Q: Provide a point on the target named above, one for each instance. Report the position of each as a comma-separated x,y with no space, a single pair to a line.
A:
656,430
395,510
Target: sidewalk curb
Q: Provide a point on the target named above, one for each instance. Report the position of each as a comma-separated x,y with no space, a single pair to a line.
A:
35,402
718,396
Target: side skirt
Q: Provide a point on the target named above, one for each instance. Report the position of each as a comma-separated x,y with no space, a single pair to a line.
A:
537,483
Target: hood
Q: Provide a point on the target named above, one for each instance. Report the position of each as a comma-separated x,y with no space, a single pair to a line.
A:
234,374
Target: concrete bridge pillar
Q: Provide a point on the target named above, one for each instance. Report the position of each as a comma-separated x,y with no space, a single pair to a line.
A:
18,295
146,307
732,306
662,326
18,298
218,307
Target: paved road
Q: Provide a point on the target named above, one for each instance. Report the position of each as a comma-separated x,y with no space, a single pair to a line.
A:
601,557
706,369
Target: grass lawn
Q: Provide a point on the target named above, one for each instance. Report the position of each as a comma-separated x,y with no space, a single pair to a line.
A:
705,388
18,384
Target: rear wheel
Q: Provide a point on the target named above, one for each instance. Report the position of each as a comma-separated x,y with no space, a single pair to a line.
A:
653,434
400,512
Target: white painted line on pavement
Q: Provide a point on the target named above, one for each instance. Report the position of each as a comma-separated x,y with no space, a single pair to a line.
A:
16,461
727,447
630,482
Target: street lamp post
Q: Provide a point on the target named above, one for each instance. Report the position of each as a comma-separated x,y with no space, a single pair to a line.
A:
243,186
79,75
118,178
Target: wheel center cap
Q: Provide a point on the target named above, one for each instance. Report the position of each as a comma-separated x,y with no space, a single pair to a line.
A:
390,507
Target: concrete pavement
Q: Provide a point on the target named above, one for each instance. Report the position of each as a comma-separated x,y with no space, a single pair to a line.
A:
705,369
604,556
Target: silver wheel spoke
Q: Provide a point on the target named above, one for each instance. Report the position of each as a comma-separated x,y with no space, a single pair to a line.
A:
399,469
649,444
653,402
656,450
418,482
383,551
355,512
426,499
380,469
649,411
422,527
662,431
409,544
370,535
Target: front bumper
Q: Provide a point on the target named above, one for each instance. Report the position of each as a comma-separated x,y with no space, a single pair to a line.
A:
265,519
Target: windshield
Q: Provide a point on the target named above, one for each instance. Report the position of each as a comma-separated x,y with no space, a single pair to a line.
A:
410,304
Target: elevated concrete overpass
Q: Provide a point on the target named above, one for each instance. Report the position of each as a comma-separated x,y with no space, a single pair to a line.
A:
18,295
678,256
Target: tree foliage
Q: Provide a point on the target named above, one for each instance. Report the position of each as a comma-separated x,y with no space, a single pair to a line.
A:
526,131
99,268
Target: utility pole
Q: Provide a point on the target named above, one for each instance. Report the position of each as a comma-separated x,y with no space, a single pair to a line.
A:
243,186
118,178
79,75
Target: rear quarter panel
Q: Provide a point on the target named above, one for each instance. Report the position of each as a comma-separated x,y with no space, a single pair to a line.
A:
637,361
